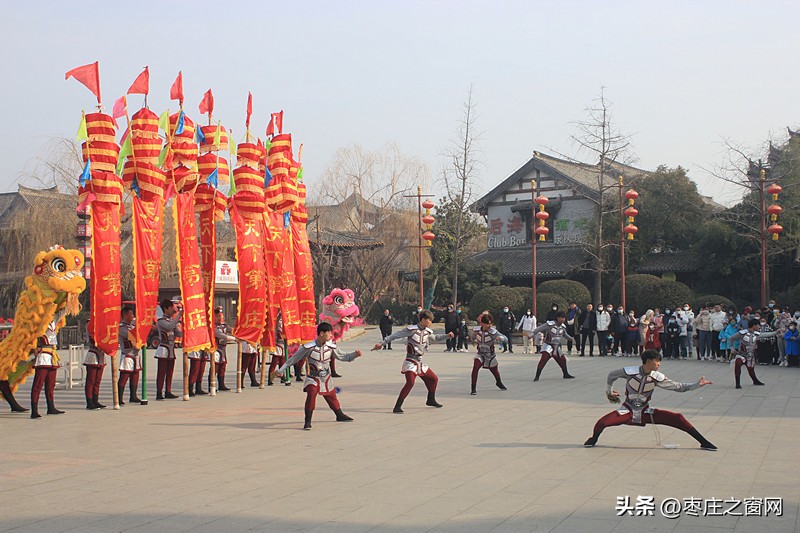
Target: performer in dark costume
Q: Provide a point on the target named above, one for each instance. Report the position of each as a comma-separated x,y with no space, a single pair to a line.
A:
640,383
485,337
746,354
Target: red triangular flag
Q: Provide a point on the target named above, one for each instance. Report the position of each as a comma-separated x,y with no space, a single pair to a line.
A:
89,75
207,104
141,85
278,118
249,109
176,91
119,108
271,126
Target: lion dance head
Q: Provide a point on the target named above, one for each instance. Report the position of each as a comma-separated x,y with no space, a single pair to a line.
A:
59,271
340,309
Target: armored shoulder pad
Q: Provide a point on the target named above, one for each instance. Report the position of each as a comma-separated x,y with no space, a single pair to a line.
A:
330,344
631,370
310,345
476,328
658,376
551,322
412,327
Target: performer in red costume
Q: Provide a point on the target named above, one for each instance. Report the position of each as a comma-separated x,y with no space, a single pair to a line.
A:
418,338
485,337
46,367
95,362
130,362
223,337
278,356
640,383
249,359
553,331
319,354
165,353
746,355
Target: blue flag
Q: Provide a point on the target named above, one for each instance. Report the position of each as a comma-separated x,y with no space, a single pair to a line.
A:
213,178
200,137
287,216
267,178
135,187
86,175
179,127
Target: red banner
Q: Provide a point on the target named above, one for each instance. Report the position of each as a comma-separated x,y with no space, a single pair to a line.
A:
210,203
304,272
290,306
248,222
195,323
273,249
147,238
105,285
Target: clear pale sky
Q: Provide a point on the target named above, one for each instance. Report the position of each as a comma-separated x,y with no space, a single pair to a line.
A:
682,75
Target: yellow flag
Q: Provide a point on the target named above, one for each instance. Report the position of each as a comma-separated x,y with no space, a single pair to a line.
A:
82,133
218,135
163,121
232,145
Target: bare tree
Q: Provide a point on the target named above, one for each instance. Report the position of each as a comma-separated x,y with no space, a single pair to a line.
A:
463,160
364,194
59,165
598,137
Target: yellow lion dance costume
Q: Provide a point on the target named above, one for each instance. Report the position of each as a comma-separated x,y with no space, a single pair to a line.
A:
51,293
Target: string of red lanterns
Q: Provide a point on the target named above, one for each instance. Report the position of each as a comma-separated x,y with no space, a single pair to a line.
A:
774,210
428,220
542,216
631,212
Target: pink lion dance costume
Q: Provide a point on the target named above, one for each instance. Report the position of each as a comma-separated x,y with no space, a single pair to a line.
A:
340,310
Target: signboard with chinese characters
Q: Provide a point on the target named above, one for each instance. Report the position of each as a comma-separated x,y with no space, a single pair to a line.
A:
506,229
572,221
227,272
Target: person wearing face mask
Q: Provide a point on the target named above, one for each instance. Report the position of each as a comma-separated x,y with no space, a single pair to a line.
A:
673,335
551,314
716,316
632,338
386,327
603,320
451,320
587,321
527,324
725,337
652,340
792,345
702,324
781,324
619,325
506,326
573,312
689,314
414,319
463,335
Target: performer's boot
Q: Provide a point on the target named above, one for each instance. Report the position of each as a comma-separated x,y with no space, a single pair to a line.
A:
169,396
90,405
538,373
591,441
51,408
341,417
432,400
35,410
567,375
120,392
500,385
473,392
398,407
97,402
5,388
222,383
307,424
704,443
738,382
198,390
159,396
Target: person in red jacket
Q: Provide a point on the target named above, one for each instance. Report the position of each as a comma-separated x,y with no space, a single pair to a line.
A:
652,338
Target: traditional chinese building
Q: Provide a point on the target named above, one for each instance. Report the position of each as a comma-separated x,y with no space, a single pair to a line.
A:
573,190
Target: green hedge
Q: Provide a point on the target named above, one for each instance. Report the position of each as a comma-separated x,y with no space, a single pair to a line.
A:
494,299
644,291
571,291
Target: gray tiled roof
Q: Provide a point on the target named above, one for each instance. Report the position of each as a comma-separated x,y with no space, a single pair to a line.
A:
551,261
658,263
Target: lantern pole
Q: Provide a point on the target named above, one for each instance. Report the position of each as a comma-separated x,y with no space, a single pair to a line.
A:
622,247
762,182
420,236
534,238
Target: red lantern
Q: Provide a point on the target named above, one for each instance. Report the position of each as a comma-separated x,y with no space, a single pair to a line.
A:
631,194
542,215
427,204
428,219
774,190
541,200
775,229
774,209
631,212
428,236
631,230
541,231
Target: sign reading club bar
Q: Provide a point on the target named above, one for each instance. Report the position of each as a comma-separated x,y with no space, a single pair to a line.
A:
227,272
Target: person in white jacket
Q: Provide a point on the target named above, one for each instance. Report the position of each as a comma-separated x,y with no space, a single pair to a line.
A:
527,324
603,323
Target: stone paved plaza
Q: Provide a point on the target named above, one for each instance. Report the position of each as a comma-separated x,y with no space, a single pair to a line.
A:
498,461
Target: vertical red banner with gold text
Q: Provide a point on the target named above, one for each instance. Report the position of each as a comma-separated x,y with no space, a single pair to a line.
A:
210,204
304,273
248,223
195,324
273,251
290,307
106,281
148,220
